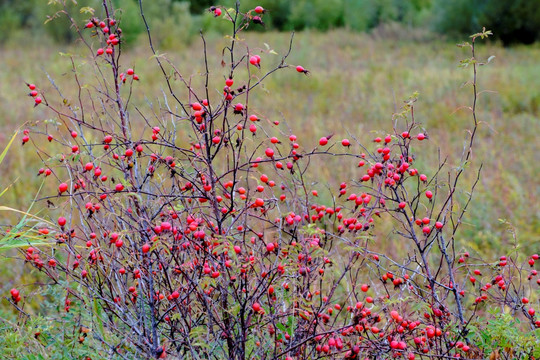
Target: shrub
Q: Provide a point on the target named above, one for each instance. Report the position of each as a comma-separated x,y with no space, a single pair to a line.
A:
196,227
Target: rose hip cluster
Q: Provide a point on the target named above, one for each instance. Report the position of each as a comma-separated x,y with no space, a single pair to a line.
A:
210,215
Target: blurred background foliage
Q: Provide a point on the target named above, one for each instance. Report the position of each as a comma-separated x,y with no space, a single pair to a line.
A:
178,21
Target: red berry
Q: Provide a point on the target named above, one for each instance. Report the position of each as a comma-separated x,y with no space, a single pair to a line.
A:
345,142
62,187
256,307
145,248
119,187
269,152
323,141
100,51
254,61
259,10
37,100
62,221
14,293
270,247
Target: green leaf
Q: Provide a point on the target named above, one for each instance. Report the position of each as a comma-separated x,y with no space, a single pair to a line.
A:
281,327
87,10
290,324
99,322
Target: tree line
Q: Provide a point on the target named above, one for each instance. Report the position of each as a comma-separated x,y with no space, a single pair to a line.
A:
173,20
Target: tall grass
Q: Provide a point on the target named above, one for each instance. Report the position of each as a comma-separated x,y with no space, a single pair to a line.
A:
357,82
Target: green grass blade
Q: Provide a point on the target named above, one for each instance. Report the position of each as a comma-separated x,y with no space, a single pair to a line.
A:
3,154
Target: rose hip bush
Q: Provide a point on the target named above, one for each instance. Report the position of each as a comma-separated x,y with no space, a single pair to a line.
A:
196,227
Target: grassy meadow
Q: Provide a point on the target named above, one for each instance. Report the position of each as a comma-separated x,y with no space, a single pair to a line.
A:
356,83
